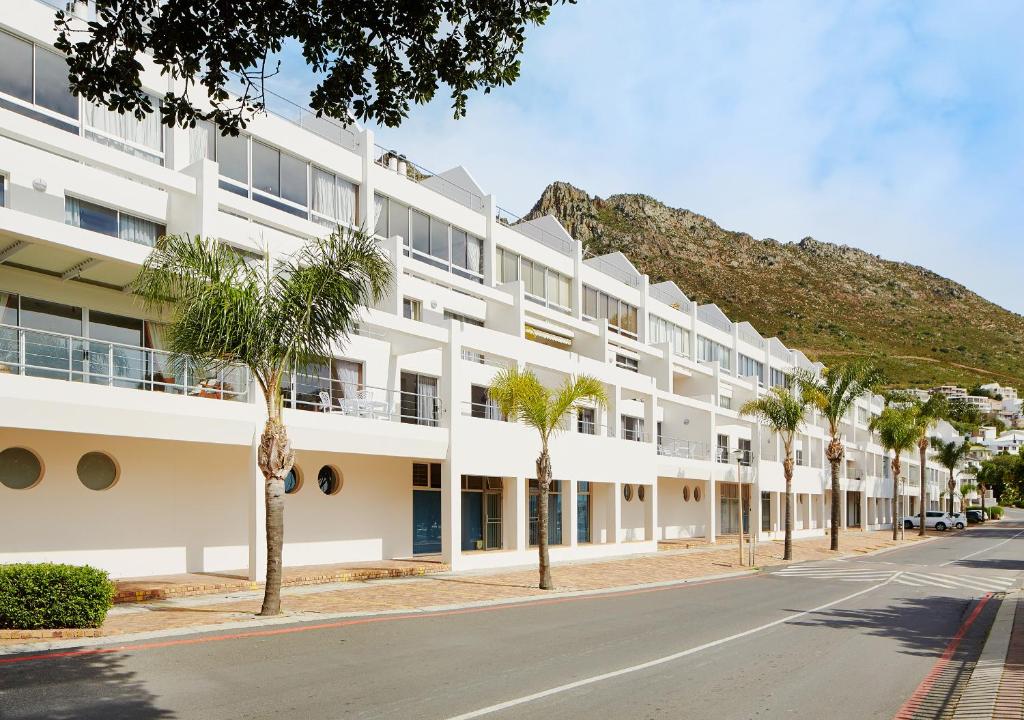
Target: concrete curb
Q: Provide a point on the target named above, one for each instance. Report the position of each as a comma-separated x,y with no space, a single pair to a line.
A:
978,700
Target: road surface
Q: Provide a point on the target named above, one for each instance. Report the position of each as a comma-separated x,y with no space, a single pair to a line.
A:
834,639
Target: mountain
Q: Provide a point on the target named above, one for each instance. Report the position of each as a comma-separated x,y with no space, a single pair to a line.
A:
833,302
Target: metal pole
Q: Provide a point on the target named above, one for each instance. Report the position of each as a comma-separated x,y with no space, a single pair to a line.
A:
739,506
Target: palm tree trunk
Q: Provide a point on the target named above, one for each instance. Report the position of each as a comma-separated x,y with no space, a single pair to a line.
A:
275,460
896,519
543,485
787,547
835,456
981,491
952,489
922,445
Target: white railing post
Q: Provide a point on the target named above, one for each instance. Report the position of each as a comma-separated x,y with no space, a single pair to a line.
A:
110,363
21,351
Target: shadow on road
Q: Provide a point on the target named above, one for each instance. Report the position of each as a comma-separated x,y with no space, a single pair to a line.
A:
993,564
83,687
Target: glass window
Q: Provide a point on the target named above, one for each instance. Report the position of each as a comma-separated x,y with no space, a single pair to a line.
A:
380,210
398,218
411,309
564,291
115,328
585,421
52,90
293,179
8,308
420,232
509,265
590,302
233,157
459,249
97,471
20,469
538,279
328,480
16,68
90,216
438,239
266,169
50,316
291,481
475,254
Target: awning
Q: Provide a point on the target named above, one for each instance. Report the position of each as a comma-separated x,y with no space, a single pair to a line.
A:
544,336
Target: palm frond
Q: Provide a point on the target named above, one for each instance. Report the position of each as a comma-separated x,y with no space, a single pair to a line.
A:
782,410
574,394
896,427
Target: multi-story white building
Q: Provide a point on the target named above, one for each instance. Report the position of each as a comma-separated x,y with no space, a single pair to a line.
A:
112,455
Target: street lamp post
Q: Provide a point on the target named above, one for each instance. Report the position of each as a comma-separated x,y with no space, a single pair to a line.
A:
738,455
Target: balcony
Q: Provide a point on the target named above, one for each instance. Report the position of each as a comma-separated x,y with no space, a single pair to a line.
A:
685,449
355,399
39,353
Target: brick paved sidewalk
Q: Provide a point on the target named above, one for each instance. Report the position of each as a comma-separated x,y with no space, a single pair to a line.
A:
455,588
1009,703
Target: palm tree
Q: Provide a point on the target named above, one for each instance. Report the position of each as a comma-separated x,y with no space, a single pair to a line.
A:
272,318
834,393
522,397
783,411
952,456
928,414
896,426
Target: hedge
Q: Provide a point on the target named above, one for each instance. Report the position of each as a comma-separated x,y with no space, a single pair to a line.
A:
995,512
48,595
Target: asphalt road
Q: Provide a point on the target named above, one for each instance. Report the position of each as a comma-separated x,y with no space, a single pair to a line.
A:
836,639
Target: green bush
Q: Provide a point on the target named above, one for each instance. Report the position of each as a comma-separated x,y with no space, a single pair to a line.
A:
47,595
995,512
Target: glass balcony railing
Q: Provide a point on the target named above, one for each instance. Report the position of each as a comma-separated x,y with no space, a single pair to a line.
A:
39,353
355,399
686,449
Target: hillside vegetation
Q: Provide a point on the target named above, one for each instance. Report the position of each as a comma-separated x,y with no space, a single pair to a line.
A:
830,301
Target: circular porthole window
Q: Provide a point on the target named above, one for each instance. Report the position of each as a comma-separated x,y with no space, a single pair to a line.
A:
627,492
20,469
292,481
328,480
641,492
97,470
686,493
696,494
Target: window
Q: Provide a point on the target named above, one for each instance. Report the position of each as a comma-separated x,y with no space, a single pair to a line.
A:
627,492
799,456
585,421
481,404
750,367
34,83
419,404
641,492
90,216
292,481
632,428
426,476
696,494
97,471
722,449
411,309
744,446
686,493
334,199
724,401
778,378
541,284
554,512
124,132
621,316
279,175
711,351
660,330
627,363
449,315
430,239
20,469
232,155
328,480
583,512
3,191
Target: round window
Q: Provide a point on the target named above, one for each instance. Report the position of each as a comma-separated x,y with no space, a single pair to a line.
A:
627,492
696,494
641,492
328,480
292,481
686,493
97,471
20,469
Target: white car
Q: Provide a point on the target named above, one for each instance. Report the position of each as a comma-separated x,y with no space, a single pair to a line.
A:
932,519
959,520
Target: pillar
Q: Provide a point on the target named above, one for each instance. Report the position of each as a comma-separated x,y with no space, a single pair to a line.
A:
711,500
365,199
570,511
451,477
520,518
615,531
651,512
843,520
864,509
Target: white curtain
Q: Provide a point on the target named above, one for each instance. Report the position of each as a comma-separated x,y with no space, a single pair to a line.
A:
325,199
201,142
137,230
347,374
426,399
72,212
378,212
346,202
473,254
147,132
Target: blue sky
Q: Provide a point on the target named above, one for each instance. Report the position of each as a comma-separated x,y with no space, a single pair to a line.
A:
894,127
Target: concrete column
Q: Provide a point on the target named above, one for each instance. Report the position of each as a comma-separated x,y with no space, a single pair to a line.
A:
490,244
711,510
577,281
651,531
366,187
615,531
641,314
843,522
569,512
451,477
257,515
520,517
864,509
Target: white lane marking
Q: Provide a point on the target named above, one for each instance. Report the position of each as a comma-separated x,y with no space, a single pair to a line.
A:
930,580
979,552
905,581
654,663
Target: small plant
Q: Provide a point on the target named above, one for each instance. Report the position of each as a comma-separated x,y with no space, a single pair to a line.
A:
995,512
48,595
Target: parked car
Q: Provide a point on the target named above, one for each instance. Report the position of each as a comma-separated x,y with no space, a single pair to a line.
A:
975,516
933,519
959,520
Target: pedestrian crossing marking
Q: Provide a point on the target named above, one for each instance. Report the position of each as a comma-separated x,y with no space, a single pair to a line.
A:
945,581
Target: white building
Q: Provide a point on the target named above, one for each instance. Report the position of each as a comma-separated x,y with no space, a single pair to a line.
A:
112,456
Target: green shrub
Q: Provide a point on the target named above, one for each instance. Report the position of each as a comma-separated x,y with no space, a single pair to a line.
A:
47,595
995,512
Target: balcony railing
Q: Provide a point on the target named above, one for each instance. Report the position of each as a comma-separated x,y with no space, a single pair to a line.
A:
686,449
39,353
725,455
355,399
511,220
393,160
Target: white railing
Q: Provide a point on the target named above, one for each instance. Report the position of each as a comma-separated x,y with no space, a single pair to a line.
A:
355,399
558,244
684,306
713,316
603,266
399,163
40,353
686,449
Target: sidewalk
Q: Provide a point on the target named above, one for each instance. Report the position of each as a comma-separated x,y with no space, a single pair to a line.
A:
995,689
423,591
